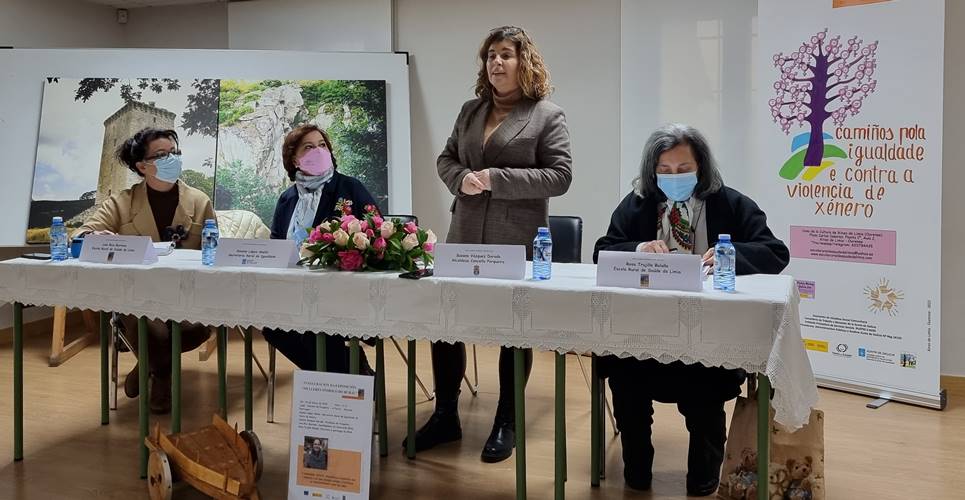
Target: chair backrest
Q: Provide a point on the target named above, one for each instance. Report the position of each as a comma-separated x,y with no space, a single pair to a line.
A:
567,234
241,224
403,218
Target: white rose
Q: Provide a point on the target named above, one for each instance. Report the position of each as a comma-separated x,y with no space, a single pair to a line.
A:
341,238
430,237
360,240
410,241
354,226
387,229
304,252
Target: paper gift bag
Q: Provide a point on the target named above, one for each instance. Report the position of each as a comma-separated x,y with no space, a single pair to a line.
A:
796,469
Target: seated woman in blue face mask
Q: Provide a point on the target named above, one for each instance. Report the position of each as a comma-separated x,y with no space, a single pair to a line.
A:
166,209
680,204
319,193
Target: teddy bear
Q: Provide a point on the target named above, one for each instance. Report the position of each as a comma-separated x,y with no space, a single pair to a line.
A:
742,483
799,487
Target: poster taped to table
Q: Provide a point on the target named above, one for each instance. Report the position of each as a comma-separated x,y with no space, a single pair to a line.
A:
278,254
654,271
331,436
117,249
480,261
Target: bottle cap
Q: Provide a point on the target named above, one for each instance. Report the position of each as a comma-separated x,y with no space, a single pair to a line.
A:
58,220
543,230
723,237
210,222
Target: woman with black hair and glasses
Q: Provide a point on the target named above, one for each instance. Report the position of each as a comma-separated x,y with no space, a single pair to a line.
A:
166,209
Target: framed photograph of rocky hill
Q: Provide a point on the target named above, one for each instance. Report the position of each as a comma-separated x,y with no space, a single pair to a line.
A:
82,123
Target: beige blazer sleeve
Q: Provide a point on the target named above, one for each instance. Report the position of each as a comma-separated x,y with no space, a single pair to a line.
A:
106,218
451,171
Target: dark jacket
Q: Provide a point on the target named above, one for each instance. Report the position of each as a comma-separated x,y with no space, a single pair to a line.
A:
727,211
339,187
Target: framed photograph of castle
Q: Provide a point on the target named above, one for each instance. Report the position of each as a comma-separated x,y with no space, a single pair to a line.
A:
84,120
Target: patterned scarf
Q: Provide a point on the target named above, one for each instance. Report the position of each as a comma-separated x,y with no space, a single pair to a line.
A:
674,226
309,193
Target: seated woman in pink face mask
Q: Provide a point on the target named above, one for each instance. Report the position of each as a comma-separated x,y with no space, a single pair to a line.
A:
313,198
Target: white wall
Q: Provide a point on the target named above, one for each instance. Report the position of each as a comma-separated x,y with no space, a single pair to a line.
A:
201,26
580,42
331,25
57,23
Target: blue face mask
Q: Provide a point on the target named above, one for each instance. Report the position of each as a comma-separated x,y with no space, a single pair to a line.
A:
168,168
677,187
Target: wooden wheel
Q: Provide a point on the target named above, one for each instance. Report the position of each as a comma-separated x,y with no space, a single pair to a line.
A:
159,479
254,446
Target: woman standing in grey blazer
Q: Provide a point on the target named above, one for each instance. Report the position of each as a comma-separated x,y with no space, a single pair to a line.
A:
509,152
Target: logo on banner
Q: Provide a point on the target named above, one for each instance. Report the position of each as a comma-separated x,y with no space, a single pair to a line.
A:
908,360
861,352
825,79
883,297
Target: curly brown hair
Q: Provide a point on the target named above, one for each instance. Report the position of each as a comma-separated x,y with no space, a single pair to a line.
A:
534,77
293,139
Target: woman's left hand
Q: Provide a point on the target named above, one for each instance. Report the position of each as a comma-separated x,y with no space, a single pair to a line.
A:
483,176
708,259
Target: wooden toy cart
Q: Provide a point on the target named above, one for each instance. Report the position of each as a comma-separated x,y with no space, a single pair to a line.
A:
216,460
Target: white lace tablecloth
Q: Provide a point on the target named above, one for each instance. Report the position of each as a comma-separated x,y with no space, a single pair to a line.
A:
756,329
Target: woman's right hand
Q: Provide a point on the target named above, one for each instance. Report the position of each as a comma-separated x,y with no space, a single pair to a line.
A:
655,246
471,184
103,232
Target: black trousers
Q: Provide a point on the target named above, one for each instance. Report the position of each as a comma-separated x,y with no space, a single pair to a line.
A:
449,366
698,391
300,349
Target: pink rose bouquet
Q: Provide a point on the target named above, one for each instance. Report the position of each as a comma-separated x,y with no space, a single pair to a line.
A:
370,242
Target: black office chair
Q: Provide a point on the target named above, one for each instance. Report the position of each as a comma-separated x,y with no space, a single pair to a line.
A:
567,234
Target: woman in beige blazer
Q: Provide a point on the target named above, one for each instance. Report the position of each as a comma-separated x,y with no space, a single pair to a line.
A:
509,152
166,209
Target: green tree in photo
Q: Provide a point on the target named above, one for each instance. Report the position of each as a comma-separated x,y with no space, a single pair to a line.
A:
240,188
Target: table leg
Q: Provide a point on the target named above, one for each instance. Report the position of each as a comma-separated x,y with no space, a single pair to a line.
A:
763,430
223,371
595,423
321,354
175,377
410,439
17,381
380,398
353,358
104,328
560,475
520,387
143,397
249,417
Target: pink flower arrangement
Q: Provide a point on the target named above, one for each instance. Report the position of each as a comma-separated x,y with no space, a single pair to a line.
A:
352,243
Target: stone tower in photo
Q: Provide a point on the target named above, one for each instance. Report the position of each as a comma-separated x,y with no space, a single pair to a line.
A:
114,176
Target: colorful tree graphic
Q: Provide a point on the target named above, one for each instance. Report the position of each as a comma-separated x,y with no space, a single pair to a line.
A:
823,79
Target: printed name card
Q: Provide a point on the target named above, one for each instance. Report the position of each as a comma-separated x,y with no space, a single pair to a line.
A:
480,261
117,249
277,254
655,271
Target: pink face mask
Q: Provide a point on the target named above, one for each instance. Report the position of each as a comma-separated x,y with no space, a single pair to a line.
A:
317,161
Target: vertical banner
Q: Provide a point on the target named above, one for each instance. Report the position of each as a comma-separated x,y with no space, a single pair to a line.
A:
331,436
850,129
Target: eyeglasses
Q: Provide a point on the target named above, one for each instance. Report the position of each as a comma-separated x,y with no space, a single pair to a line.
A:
162,155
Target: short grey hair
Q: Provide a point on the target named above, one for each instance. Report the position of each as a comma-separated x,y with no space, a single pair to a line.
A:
666,138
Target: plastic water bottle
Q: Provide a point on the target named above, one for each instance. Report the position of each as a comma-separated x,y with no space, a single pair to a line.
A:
543,254
58,240
209,242
725,260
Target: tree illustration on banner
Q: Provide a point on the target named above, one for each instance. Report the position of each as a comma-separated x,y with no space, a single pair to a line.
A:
823,79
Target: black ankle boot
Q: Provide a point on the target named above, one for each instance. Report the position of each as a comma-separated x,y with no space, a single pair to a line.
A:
443,426
501,441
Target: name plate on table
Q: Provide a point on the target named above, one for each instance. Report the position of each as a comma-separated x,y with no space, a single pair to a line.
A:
480,261
117,249
655,271
277,254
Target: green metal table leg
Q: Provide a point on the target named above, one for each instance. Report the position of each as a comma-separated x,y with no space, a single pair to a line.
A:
520,386
142,368
353,358
321,354
223,371
560,475
249,417
595,402
380,398
175,377
17,381
763,430
104,334
410,410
